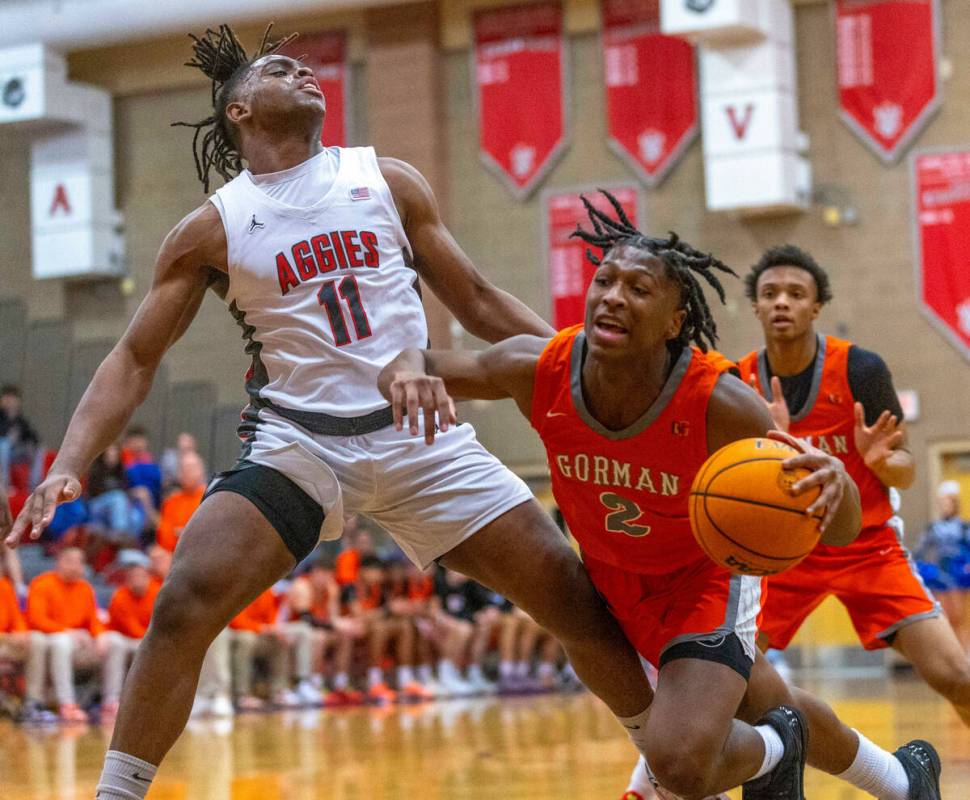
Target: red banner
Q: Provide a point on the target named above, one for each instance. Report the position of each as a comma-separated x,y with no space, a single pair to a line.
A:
570,271
942,206
887,62
326,53
518,73
651,89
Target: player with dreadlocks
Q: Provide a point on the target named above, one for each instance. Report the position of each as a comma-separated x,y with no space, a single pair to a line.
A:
629,405
318,251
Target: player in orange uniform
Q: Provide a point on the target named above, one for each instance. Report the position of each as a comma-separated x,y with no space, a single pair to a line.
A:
628,412
841,398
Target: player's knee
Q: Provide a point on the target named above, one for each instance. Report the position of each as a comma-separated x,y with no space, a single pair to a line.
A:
183,612
682,768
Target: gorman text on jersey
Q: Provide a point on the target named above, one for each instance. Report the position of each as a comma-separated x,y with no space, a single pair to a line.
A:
602,471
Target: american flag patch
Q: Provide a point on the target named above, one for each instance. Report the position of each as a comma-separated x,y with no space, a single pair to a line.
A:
360,193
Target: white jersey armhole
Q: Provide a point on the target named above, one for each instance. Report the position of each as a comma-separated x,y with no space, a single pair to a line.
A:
216,199
387,198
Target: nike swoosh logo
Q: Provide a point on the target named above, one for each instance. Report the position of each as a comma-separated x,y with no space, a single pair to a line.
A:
138,777
885,551
632,727
556,414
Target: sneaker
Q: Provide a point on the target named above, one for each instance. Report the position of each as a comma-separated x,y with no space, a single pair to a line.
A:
221,707
786,780
33,713
343,697
511,684
381,694
308,694
248,702
922,765
415,692
286,698
483,685
456,686
72,713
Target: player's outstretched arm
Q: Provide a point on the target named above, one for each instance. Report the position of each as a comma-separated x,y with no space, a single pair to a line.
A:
195,246
482,308
429,379
737,412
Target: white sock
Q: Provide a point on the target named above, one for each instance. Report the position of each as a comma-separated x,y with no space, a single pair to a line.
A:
124,777
640,780
340,681
877,772
447,671
522,669
425,675
546,671
475,673
405,675
636,728
774,750
374,676
506,669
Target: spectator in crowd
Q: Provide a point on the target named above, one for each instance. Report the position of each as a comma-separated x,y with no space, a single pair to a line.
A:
185,444
315,599
257,631
181,505
61,604
144,475
403,610
160,562
359,545
129,613
110,509
421,594
18,439
19,644
457,601
943,557
367,600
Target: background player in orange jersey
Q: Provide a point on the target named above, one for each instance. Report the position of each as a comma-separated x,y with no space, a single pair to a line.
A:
628,412
840,397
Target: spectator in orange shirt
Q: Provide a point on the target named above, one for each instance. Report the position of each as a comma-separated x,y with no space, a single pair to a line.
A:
23,646
129,613
359,545
257,631
61,605
181,505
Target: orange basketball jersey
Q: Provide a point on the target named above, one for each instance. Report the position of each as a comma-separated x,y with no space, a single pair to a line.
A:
624,493
828,420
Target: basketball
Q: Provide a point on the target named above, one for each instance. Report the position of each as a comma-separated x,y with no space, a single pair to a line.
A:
741,511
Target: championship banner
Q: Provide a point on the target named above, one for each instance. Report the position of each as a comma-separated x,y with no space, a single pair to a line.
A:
569,270
941,182
651,89
326,54
888,54
518,72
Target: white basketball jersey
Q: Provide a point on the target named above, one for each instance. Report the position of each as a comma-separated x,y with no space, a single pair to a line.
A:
323,294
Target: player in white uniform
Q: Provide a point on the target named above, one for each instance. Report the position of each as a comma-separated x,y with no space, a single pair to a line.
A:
325,289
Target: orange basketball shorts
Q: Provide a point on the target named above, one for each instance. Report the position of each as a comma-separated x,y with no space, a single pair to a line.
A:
701,611
874,578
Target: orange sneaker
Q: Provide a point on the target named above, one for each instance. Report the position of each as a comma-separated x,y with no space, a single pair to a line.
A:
381,694
631,795
343,697
415,692
72,713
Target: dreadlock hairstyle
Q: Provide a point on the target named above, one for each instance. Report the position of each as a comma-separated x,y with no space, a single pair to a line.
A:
682,262
222,59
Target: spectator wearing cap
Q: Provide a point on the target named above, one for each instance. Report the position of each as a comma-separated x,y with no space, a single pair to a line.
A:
21,645
179,507
129,614
61,605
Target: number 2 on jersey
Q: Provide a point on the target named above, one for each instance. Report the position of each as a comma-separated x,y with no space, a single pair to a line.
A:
622,512
329,295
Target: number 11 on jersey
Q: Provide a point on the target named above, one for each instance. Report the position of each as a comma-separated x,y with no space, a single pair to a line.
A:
330,295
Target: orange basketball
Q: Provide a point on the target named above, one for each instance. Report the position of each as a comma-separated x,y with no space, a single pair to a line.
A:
742,514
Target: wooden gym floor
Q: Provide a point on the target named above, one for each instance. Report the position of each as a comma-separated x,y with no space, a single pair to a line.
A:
544,748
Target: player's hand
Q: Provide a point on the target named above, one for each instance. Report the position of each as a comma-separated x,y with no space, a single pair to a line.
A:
411,391
777,407
38,511
828,473
876,443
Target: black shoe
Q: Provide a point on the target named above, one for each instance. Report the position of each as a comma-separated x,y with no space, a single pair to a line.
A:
922,765
786,780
